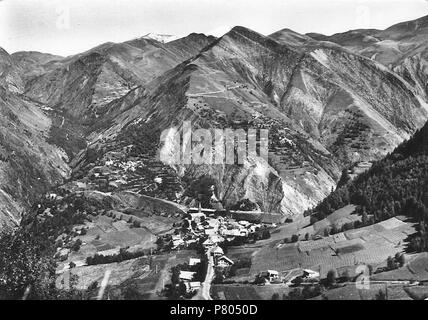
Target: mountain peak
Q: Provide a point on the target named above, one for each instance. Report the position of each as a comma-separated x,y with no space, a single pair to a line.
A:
288,36
162,38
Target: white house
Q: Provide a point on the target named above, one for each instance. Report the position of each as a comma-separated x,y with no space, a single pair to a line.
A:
210,231
310,274
177,243
192,286
244,223
207,244
217,252
176,237
194,261
243,232
231,233
213,223
186,275
269,275
198,216
216,238
224,262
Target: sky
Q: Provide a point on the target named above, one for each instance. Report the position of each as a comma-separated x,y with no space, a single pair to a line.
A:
66,27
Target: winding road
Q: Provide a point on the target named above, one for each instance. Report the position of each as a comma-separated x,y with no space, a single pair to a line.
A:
204,291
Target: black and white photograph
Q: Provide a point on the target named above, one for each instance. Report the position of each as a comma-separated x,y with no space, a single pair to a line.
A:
223,151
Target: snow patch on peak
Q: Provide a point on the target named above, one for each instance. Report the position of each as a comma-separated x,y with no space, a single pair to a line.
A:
163,38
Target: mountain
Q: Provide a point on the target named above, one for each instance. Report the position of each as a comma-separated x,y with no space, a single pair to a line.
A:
32,64
80,141
395,185
29,164
163,38
325,107
82,85
10,78
402,48
46,106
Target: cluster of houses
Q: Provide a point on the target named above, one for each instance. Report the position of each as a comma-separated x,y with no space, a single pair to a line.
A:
213,229
273,276
187,276
220,260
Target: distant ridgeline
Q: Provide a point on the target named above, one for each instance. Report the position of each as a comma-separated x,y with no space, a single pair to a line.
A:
396,185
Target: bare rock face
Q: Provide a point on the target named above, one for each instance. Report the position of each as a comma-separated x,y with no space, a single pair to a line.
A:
324,107
29,165
97,117
83,85
10,78
402,48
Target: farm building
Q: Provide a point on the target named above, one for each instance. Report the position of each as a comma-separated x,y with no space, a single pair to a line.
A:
218,252
231,233
186,275
177,243
194,261
210,231
198,217
224,262
269,275
310,274
207,244
192,286
216,238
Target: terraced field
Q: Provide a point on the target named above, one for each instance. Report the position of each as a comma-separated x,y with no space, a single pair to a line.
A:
235,292
107,235
415,270
368,245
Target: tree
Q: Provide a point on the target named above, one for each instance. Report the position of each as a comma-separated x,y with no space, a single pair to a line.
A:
370,268
313,219
380,295
331,277
266,234
400,258
27,269
307,236
185,224
326,232
202,189
275,296
76,245
346,276
294,238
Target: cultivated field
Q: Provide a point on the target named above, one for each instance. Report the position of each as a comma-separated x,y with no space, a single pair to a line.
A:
148,274
106,235
415,270
351,292
368,245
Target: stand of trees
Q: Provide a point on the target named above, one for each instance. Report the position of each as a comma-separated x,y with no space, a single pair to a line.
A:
396,185
27,266
123,255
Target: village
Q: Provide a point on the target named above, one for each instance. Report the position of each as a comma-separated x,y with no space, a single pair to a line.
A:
210,232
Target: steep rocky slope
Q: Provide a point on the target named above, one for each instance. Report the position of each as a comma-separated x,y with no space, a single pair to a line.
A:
395,185
32,64
84,84
29,165
324,106
10,77
401,47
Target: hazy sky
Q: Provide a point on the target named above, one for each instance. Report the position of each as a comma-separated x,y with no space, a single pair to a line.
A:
71,26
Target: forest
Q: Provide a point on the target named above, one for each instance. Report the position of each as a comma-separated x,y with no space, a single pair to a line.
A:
395,185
